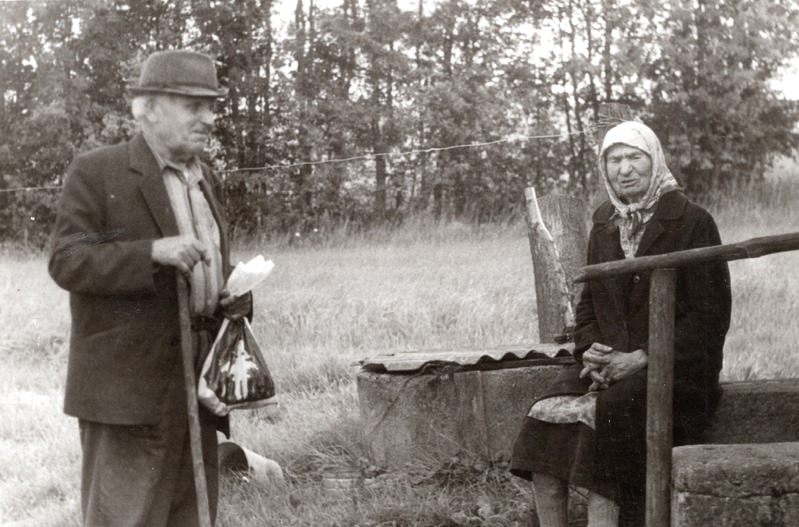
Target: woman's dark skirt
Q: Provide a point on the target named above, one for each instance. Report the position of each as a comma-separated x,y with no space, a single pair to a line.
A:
564,451
568,452
610,461
614,467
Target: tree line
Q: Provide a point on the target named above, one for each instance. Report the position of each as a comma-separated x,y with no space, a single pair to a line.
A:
366,112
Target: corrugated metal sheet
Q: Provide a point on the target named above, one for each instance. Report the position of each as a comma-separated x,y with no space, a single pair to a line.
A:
413,361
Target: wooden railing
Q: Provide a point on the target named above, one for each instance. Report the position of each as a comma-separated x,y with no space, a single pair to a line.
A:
661,348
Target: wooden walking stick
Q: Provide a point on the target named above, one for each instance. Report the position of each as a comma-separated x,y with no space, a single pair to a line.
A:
203,507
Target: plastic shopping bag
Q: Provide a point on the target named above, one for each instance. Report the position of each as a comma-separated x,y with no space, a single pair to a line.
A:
235,374
246,276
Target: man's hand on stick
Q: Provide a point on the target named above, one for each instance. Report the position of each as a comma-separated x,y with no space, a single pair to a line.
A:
182,252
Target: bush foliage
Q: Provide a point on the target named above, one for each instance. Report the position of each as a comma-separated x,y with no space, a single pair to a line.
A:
439,109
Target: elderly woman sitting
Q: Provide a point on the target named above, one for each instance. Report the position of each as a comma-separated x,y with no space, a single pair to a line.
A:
589,429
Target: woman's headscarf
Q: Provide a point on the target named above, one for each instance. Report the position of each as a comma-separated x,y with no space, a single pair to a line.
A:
631,217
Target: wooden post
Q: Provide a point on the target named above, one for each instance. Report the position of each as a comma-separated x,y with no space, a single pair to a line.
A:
566,220
557,234
190,384
660,380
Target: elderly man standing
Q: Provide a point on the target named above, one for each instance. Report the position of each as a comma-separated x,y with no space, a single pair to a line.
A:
132,219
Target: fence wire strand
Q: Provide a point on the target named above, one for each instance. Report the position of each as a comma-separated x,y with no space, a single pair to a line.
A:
511,138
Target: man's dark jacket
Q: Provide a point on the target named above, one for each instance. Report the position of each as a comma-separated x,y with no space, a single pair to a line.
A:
125,340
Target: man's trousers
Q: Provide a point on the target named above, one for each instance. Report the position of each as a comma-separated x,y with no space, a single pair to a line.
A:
142,476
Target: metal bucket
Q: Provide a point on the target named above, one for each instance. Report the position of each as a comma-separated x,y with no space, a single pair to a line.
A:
236,459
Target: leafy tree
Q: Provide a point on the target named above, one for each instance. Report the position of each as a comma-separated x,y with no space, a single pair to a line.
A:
711,101
368,81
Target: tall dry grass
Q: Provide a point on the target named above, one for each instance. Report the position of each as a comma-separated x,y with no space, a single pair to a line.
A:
332,301
765,290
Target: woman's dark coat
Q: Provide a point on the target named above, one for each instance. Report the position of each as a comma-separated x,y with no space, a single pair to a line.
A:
615,312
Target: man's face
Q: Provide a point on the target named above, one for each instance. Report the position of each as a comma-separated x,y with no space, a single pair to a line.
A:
629,170
181,124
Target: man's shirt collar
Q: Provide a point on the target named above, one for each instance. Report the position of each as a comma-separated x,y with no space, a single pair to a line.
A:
190,169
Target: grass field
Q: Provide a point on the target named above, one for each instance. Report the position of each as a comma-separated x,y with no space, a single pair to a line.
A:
329,304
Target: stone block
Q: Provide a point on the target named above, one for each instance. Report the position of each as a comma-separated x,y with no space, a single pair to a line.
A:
757,412
736,485
434,416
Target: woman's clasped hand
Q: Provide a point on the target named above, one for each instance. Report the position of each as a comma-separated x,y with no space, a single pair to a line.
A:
605,366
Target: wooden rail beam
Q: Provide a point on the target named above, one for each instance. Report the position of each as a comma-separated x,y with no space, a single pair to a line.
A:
753,248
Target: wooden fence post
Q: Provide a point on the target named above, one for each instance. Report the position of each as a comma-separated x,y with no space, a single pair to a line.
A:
660,378
558,239
566,219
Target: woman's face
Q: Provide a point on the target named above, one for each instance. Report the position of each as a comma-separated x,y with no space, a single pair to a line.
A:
629,170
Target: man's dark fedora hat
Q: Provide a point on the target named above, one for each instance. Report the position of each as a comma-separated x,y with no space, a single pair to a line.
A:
178,72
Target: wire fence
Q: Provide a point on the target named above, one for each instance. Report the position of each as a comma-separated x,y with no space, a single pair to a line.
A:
511,138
